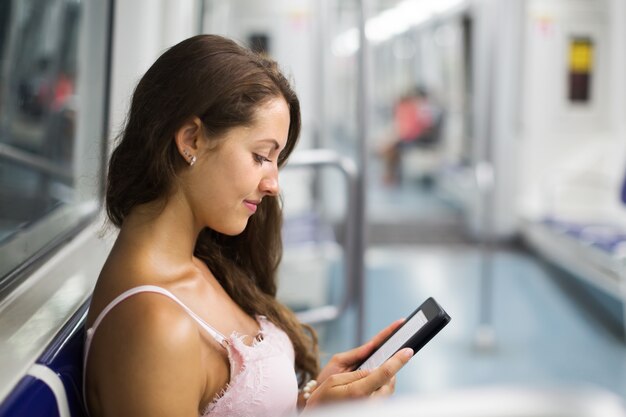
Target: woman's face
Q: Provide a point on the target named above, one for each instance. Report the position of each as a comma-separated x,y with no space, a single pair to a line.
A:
228,182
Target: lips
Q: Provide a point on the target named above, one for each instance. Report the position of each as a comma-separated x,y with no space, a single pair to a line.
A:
251,205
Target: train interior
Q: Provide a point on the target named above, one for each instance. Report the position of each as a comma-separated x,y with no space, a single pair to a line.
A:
511,213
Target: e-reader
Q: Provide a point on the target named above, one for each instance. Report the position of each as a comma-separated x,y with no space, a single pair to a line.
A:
421,326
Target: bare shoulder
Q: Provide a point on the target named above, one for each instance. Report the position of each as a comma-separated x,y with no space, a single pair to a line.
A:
149,317
144,352
122,273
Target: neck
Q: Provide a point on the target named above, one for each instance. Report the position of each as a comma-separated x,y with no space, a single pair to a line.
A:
167,230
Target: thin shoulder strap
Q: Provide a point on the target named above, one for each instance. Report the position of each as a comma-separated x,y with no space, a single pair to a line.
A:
129,293
219,337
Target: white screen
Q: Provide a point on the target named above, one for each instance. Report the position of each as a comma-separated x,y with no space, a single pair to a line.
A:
395,342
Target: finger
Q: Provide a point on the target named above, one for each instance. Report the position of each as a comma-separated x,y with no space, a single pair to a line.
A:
335,387
384,391
391,384
384,373
358,354
352,356
366,349
385,333
346,378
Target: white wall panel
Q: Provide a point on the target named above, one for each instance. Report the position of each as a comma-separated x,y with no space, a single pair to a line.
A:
143,29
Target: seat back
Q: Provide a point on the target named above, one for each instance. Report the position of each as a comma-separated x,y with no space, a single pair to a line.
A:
432,136
53,386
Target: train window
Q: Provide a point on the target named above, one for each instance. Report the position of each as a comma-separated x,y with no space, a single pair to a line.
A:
52,119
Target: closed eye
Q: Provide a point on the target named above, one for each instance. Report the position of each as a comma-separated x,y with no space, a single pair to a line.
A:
260,158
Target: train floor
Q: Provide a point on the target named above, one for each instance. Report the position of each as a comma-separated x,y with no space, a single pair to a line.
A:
544,333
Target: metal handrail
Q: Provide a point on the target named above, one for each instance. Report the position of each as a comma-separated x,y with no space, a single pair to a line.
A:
316,159
37,162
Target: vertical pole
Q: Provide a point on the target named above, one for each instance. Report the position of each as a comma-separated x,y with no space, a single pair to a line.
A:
485,338
361,160
319,59
485,334
617,22
202,9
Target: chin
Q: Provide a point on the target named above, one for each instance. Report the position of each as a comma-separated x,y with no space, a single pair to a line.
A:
230,225
233,230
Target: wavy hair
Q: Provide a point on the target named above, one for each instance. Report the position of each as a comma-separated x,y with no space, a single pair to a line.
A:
222,83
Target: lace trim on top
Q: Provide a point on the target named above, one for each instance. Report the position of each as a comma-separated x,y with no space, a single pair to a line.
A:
248,383
239,362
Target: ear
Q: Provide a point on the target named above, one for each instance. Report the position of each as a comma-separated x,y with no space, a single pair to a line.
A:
187,138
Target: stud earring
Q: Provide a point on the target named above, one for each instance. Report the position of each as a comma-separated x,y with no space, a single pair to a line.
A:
191,158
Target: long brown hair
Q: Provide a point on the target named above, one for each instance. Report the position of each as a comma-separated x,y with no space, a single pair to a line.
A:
222,83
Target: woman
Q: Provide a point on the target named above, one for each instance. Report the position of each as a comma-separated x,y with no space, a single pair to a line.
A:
184,319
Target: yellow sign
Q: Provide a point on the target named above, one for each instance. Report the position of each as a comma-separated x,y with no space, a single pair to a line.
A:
580,55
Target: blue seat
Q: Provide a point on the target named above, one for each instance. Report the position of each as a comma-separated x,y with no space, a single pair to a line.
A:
53,387
607,237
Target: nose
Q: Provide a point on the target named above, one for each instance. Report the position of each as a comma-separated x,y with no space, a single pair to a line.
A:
269,184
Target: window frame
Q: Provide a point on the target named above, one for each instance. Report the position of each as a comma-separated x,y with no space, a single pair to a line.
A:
33,245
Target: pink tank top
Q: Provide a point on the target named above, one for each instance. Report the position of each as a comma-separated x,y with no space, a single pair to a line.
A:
262,376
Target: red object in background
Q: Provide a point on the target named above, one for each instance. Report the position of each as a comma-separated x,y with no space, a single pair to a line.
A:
411,119
63,90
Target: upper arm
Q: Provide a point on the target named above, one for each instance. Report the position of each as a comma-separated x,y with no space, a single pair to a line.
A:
147,361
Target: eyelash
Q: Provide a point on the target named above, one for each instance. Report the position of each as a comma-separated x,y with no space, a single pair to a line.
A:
260,158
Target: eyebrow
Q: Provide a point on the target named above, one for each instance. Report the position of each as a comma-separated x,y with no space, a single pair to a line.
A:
274,141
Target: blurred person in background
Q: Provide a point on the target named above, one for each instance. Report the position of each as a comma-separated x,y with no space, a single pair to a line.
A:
415,118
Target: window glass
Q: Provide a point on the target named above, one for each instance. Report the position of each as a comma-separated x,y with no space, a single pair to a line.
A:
52,78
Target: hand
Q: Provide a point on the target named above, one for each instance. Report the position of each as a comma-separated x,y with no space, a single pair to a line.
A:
361,383
346,361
